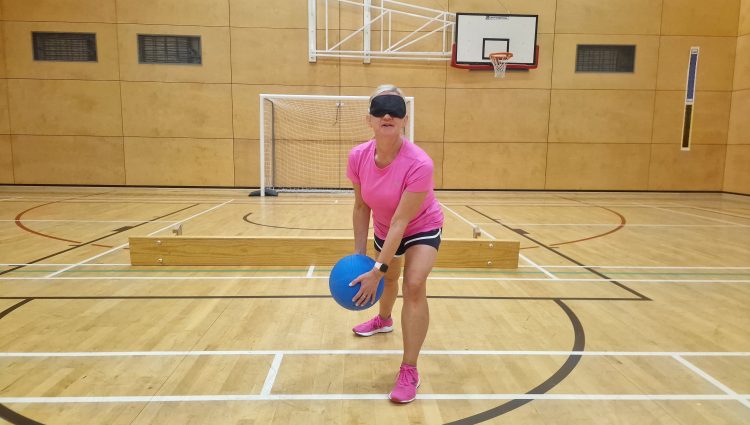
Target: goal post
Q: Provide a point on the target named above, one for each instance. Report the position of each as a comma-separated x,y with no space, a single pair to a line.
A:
305,140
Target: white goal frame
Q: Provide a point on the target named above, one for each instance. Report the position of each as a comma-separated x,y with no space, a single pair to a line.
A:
270,97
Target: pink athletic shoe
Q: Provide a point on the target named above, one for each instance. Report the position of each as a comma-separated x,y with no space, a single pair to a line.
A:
373,326
406,386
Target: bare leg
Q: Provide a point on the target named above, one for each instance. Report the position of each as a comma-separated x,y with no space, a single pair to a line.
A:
390,291
415,316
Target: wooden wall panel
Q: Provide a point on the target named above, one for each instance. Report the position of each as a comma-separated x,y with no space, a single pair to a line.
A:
6,160
474,115
68,160
715,18
601,116
493,165
736,174
739,124
179,162
700,168
744,25
608,17
59,10
247,162
65,107
742,64
174,12
280,14
574,166
177,110
4,117
283,61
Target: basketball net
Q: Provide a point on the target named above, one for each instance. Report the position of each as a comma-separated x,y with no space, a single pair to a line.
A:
499,62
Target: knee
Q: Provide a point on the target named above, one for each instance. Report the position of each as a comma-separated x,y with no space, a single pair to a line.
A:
414,291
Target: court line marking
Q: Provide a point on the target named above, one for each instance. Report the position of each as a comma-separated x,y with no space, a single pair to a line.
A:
520,266
450,278
330,397
52,275
700,216
533,264
611,224
310,271
275,353
715,382
272,372
90,221
478,223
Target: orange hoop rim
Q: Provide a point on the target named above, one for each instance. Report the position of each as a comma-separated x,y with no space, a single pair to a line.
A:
501,55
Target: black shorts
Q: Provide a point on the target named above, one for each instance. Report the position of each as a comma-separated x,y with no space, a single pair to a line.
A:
431,238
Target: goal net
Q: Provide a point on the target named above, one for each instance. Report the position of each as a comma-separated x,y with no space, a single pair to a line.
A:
305,140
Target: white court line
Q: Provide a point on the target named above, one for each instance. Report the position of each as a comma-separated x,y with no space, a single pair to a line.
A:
271,377
88,221
63,270
63,264
448,278
334,397
310,271
538,267
701,216
493,238
277,353
438,269
615,224
715,382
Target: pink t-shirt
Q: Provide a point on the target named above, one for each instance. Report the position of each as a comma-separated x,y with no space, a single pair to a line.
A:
381,188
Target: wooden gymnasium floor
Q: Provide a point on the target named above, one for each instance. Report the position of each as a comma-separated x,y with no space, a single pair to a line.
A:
627,308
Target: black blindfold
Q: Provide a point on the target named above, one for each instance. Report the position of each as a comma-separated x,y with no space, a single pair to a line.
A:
391,104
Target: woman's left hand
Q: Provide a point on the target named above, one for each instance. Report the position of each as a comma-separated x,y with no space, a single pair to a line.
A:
368,287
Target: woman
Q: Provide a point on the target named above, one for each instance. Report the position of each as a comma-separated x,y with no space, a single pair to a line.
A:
392,178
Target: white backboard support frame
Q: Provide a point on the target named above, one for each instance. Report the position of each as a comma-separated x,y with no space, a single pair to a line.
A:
379,16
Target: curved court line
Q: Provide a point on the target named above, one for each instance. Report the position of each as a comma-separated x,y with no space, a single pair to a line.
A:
623,221
18,222
579,344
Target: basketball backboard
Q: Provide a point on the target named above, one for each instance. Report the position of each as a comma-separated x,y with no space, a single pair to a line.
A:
479,34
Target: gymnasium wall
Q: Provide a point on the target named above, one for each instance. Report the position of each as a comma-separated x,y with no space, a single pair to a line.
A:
737,171
118,122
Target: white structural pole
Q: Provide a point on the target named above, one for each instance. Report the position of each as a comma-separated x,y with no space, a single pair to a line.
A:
367,31
262,146
312,35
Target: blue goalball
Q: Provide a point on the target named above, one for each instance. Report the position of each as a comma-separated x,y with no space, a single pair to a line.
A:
346,270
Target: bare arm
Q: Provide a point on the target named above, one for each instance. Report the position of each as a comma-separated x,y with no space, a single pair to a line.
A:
360,222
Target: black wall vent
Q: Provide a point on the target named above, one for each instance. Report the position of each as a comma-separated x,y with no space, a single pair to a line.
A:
64,46
605,58
169,49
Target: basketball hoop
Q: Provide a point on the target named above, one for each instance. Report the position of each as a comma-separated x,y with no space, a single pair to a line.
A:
499,61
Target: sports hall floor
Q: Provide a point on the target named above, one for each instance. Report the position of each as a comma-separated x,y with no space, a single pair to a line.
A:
626,308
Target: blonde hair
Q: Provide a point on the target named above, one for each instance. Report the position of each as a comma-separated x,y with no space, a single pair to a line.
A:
386,88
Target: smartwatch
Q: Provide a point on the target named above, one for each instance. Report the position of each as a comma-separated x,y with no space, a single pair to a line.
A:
381,267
